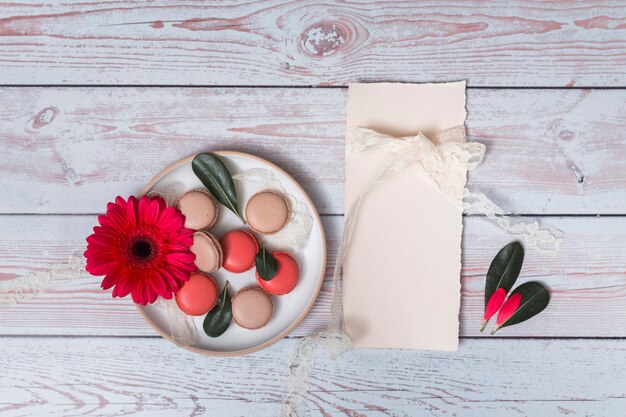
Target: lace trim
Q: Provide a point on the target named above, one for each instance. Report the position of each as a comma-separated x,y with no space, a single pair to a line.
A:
34,283
446,163
542,237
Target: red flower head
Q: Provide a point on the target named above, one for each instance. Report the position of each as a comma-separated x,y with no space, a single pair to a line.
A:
142,248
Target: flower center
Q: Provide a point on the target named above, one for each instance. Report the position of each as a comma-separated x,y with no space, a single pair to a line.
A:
142,249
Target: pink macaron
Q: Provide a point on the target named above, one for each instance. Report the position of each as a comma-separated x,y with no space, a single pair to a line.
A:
198,295
286,277
239,249
252,308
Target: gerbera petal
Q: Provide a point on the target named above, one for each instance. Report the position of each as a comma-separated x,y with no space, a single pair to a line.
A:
184,232
124,286
148,210
176,247
159,286
147,292
97,249
119,200
169,280
131,210
180,258
118,215
109,280
171,223
100,239
185,257
168,219
111,222
100,268
101,263
161,202
108,233
137,295
180,274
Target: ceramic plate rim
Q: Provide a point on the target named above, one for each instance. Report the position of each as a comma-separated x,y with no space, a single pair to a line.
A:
320,280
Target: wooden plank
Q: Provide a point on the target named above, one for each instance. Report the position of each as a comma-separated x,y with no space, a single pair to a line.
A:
508,43
70,150
586,279
485,378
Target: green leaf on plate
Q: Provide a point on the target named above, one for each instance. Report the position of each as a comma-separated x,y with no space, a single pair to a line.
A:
217,179
266,264
218,319
525,301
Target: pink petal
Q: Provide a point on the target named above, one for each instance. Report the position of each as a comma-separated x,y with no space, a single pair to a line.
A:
494,303
119,200
180,274
100,239
137,295
148,211
109,281
124,287
159,286
509,307
160,201
100,269
169,219
131,210
169,280
182,257
152,295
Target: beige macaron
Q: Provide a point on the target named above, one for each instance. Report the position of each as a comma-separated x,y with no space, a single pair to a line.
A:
208,251
252,308
267,212
199,208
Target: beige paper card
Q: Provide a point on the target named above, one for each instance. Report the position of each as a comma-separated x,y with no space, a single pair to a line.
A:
401,277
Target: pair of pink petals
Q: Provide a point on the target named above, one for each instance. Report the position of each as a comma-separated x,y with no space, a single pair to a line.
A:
507,308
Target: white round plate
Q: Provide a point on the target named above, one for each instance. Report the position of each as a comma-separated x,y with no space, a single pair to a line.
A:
289,309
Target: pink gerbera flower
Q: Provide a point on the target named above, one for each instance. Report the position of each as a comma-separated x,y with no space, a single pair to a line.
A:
142,248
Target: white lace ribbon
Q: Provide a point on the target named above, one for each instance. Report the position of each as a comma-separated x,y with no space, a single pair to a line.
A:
33,283
541,237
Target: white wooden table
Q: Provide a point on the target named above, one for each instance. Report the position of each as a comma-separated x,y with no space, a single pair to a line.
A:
98,96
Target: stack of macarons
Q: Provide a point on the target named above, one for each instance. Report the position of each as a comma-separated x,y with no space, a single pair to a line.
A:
267,212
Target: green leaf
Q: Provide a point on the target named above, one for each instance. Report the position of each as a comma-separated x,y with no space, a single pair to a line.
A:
217,179
504,269
218,319
266,264
534,299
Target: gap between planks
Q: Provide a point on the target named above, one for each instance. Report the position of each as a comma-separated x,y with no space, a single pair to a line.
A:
318,87
299,337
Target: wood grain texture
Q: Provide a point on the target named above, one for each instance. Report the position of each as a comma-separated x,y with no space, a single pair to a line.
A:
146,377
70,150
503,43
586,279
